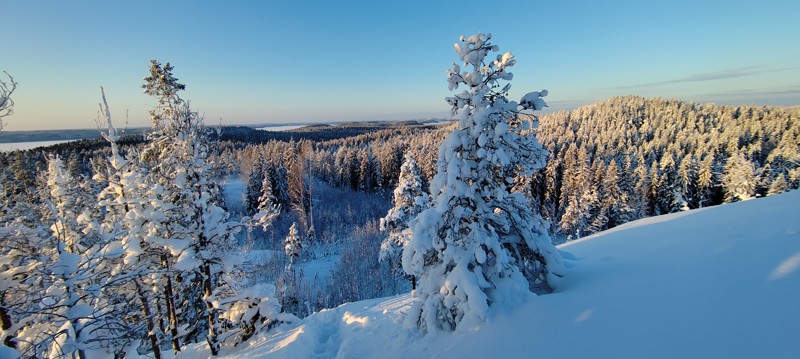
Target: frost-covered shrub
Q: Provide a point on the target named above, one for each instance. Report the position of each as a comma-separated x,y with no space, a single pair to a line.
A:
6,102
251,311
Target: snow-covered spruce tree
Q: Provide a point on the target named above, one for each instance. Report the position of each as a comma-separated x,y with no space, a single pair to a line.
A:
178,155
480,244
132,216
578,199
615,199
409,200
300,186
159,161
778,185
76,315
739,178
267,208
293,248
668,197
23,257
255,179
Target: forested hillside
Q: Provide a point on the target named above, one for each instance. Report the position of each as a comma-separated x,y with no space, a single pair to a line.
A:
610,162
631,157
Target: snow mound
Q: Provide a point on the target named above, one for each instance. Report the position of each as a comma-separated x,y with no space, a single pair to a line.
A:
721,282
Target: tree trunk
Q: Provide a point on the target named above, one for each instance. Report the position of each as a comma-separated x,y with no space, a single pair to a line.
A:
148,320
5,321
213,343
171,313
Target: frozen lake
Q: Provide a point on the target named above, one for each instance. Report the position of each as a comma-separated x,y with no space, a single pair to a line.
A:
8,147
281,128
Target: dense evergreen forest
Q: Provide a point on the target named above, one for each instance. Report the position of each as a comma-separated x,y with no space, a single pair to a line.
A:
308,204
610,163
631,157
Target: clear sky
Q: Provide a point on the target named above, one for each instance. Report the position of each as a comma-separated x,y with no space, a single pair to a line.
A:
326,61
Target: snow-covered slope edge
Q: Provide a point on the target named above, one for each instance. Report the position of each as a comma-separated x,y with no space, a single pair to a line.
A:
722,282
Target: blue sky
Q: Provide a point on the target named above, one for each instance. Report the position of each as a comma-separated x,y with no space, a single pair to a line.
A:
328,61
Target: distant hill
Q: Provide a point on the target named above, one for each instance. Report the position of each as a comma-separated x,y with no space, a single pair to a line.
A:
244,133
631,157
56,135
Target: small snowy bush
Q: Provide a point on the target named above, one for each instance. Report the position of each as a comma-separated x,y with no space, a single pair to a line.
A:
251,311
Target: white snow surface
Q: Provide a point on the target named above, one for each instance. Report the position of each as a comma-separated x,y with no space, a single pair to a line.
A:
277,128
13,146
721,282
233,191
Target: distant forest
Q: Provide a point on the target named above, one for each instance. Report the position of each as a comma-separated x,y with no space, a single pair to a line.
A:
612,162
609,163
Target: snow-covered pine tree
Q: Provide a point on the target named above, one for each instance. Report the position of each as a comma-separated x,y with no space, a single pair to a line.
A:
132,215
687,181
656,181
706,179
550,203
77,313
598,213
578,199
480,244
179,156
615,199
300,186
641,199
255,179
739,178
293,247
268,208
668,193
160,160
23,256
778,185
409,200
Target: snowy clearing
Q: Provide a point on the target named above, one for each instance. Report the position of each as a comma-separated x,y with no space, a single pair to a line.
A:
721,282
233,191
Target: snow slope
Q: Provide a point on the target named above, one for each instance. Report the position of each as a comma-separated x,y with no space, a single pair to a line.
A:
721,282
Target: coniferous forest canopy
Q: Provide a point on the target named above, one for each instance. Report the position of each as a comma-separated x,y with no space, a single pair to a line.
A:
188,233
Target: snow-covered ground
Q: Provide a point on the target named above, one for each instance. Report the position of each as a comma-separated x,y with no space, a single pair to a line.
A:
721,282
8,147
233,192
317,270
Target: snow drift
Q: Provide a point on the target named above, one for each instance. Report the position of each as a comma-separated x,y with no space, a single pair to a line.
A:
721,282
